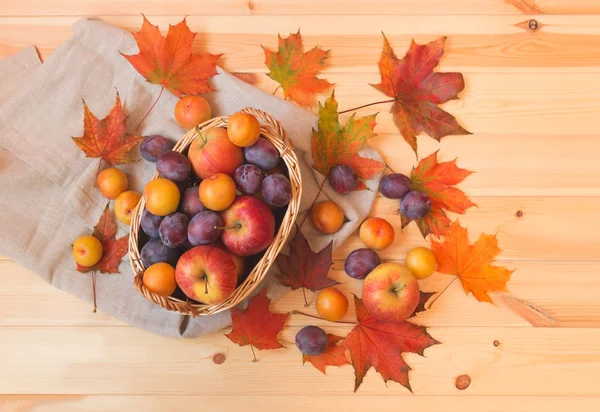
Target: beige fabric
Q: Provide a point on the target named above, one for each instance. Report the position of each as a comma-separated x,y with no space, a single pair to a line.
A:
47,193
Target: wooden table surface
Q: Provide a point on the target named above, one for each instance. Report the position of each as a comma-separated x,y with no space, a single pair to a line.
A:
532,101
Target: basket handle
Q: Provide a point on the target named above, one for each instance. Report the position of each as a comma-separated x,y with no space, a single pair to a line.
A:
274,124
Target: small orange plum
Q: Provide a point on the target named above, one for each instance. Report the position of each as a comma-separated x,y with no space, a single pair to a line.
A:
87,250
124,205
217,192
159,278
327,217
112,182
190,111
421,262
161,196
376,233
243,129
331,304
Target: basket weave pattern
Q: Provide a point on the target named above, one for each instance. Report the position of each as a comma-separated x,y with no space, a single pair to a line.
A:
272,130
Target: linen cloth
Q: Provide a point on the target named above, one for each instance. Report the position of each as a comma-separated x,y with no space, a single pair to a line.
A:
47,193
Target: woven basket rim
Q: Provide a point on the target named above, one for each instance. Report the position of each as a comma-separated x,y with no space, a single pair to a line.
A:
272,130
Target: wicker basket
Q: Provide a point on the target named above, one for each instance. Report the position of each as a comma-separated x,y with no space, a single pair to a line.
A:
272,131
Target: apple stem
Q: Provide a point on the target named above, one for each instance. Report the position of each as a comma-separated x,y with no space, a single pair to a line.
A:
399,288
238,226
367,105
94,289
313,202
440,294
297,312
199,133
205,285
253,354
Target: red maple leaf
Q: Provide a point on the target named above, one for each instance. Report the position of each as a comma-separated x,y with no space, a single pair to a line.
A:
417,91
438,180
113,249
303,268
107,138
380,344
295,70
169,62
257,325
334,355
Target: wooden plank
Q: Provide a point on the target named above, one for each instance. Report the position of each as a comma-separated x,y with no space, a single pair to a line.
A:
476,43
572,300
298,403
551,228
119,360
298,7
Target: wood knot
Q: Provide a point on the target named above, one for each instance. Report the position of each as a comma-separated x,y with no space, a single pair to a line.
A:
462,382
250,5
496,343
519,214
533,24
218,358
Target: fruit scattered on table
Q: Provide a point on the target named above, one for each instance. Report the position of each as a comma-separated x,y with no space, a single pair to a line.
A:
217,192
390,292
376,233
343,179
276,190
361,262
159,278
212,152
263,154
153,146
421,262
174,166
243,129
327,217
395,186
331,304
206,274
87,250
248,178
311,340
112,182
161,196
124,205
415,205
190,111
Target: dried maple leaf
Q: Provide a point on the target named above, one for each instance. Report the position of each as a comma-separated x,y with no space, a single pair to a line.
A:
437,180
303,268
417,91
333,145
380,344
107,138
423,298
471,263
169,62
113,249
334,355
257,325
295,70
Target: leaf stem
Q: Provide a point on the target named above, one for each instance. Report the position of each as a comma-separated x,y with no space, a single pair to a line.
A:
305,300
151,107
253,354
440,294
297,312
277,88
98,172
313,202
367,105
94,289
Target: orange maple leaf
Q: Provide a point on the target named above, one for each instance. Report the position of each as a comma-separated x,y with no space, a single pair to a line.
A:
257,325
169,62
295,70
417,91
107,138
333,144
471,263
438,180
334,355
113,249
380,344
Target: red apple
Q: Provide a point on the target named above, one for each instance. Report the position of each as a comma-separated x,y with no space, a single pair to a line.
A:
250,226
206,274
212,152
390,292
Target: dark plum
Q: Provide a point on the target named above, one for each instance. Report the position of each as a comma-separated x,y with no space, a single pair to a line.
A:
343,179
312,340
395,186
173,229
248,178
415,205
174,166
201,230
276,190
153,146
361,262
155,251
262,154
190,202
150,223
